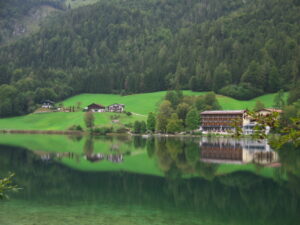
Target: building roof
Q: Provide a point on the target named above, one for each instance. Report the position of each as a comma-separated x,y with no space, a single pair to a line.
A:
215,112
116,104
97,105
48,102
270,110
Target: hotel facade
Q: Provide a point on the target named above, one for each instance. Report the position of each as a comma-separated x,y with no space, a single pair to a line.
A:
223,120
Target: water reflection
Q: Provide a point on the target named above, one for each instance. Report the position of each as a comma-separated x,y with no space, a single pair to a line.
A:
237,151
213,195
239,198
174,156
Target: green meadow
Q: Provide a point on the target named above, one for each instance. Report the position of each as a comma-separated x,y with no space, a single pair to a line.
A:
139,104
148,102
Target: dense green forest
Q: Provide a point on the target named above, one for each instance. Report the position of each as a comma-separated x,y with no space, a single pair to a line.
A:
12,13
239,48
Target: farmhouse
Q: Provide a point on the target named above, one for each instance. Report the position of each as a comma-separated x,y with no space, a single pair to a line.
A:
95,108
48,104
249,128
268,111
222,120
116,108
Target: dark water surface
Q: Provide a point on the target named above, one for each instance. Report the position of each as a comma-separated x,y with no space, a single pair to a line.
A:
123,180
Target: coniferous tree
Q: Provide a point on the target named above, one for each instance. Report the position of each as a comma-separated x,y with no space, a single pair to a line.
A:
174,124
279,101
137,127
151,121
192,120
89,119
258,105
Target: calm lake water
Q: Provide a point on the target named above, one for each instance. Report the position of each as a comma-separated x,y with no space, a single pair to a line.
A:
134,181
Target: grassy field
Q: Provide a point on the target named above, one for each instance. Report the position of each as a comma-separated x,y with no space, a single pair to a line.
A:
60,121
148,102
140,104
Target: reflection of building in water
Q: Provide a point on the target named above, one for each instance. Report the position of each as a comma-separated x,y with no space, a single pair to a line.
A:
46,156
115,158
99,157
95,157
218,151
226,150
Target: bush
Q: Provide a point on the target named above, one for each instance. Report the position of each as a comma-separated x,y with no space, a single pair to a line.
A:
242,91
121,130
75,127
128,125
103,130
197,133
128,113
114,117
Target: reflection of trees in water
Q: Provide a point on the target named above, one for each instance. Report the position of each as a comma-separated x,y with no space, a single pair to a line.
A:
290,160
139,142
238,198
76,138
150,147
182,155
88,147
207,170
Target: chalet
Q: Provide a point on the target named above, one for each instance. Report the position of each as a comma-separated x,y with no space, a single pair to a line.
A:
95,108
249,128
116,108
48,104
268,111
222,120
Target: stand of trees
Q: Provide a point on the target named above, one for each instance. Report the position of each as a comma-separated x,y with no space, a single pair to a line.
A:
180,113
238,48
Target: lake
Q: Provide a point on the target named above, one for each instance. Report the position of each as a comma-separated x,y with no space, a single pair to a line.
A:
70,180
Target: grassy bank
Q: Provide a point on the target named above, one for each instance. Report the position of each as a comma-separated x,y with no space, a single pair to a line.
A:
139,104
60,121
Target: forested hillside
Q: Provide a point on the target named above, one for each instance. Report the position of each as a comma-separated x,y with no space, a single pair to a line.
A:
14,12
240,48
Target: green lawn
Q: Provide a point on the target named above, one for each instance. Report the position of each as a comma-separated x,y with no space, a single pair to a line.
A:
137,103
148,102
60,120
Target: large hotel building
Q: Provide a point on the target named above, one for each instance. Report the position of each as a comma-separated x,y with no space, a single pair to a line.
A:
222,120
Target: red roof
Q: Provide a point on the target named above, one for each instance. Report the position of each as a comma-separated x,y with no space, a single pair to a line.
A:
94,105
216,112
271,110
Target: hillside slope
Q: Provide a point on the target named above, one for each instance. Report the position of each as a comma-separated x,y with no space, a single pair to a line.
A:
139,104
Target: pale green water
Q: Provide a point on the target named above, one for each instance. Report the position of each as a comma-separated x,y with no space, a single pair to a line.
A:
157,181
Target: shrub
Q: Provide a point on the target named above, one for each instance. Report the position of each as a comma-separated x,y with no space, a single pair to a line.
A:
103,130
242,91
114,117
121,130
75,127
128,125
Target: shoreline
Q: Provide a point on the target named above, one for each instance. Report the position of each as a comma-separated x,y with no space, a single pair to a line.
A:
81,133
62,132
